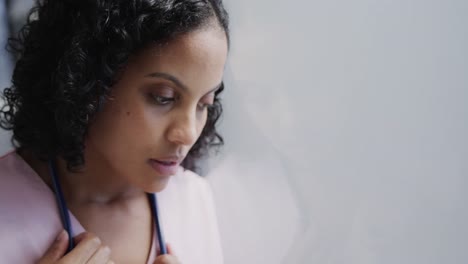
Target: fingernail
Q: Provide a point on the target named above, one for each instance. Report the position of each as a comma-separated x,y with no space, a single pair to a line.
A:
106,250
61,236
96,241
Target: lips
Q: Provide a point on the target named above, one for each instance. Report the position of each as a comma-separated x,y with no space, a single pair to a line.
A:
166,166
167,163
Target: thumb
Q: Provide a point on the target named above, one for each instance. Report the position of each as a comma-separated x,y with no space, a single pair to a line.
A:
56,250
166,259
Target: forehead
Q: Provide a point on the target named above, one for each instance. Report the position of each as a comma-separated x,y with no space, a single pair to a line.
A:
205,49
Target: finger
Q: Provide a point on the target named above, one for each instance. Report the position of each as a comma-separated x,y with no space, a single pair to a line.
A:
56,250
166,259
86,247
170,250
77,239
102,256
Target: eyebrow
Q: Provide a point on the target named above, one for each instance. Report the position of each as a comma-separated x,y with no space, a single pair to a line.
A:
176,81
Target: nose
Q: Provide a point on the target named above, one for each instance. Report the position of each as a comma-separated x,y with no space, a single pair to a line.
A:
183,129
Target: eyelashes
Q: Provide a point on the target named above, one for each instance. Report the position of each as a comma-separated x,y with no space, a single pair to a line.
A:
166,101
162,100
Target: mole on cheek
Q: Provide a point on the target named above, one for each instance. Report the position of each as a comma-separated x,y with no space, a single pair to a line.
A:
128,113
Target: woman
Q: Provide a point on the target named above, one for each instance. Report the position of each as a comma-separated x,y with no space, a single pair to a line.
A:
111,102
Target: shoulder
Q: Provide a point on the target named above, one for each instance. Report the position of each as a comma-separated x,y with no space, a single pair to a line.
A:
7,163
13,172
17,177
28,215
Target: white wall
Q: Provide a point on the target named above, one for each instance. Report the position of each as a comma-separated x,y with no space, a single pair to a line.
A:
346,126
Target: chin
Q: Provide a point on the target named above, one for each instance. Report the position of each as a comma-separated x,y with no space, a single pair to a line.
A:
156,186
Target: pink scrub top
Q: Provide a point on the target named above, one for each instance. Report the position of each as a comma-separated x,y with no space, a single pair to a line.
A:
30,220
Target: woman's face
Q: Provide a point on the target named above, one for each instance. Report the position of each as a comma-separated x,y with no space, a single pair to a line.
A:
157,109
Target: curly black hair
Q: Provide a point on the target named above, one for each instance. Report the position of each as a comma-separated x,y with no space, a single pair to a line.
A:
69,54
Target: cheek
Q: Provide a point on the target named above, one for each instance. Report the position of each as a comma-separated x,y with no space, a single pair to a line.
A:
119,128
141,126
106,133
201,123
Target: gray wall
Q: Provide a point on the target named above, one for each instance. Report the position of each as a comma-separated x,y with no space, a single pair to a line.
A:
346,126
5,70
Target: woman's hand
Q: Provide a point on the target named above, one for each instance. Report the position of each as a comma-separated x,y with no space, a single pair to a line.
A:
168,258
88,249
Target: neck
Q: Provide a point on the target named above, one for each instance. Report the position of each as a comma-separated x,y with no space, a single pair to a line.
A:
92,184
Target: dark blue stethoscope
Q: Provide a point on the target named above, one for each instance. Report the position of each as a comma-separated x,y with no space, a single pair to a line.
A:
65,216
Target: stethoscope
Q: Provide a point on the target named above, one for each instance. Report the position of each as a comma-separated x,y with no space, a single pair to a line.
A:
65,215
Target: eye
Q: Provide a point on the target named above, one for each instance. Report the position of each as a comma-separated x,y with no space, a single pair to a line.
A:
203,106
206,102
162,100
